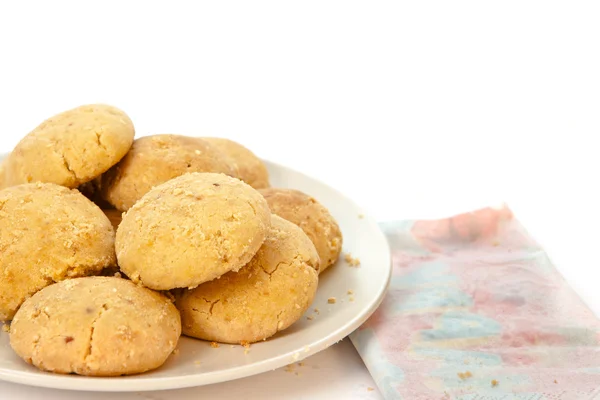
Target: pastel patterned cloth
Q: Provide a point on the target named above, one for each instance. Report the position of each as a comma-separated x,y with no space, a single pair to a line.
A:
476,311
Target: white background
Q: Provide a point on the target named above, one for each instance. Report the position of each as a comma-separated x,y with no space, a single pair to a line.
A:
414,109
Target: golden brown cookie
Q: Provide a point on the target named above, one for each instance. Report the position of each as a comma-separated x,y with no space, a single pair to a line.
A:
314,219
191,229
71,148
250,168
266,296
153,160
48,233
96,326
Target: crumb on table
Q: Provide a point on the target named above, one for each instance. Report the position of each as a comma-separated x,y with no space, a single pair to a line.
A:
310,318
5,328
353,262
175,352
494,383
245,343
214,345
301,364
351,298
370,389
289,368
317,310
465,375
331,300
350,291
555,381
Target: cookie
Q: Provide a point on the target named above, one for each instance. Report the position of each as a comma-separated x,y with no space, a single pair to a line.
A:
250,168
191,229
114,216
266,296
2,169
153,160
71,148
314,219
96,326
48,233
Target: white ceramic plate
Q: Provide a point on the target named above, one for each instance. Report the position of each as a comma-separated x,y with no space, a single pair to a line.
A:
197,363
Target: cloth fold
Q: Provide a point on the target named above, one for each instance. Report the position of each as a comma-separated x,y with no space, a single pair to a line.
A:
476,311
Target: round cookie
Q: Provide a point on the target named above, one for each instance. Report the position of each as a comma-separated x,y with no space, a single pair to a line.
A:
266,296
96,326
153,160
71,148
48,233
314,219
191,229
250,168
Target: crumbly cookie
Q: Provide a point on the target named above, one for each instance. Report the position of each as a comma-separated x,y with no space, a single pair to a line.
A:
96,326
266,296
153,160
314,219
250,168
71,148
48,233
115,216
190,230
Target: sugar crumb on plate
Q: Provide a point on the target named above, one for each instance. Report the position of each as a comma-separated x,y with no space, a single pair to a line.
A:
465,375
331,300
353,262
214,345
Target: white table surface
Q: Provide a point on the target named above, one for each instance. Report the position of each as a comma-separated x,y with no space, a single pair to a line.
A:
413,109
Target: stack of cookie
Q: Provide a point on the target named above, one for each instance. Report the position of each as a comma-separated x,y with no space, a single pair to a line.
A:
111,248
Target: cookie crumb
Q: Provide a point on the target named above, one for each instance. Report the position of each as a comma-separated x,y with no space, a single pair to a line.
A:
289,368
370,389
301,364
246,351
350,291
353,262
175,352
495,243
6,328
197,362
331,300
361,216
69,339
310,318
317,310
296,356
351,298
494,383
214,345
465,375
245,343
117,275
555,381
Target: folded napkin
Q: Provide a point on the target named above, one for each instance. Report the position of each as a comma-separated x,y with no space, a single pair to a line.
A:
477,311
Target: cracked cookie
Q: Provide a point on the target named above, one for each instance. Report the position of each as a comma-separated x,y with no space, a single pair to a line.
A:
314,219
48,233
190,230
71,148
96,326
153,160
249,167
267,295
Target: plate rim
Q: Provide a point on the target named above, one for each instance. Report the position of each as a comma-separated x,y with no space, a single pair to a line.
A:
131,384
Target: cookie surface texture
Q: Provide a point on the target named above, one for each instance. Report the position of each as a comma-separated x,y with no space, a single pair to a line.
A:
314,219
71,148
96,326
48,233
266,296
153,160
190,230
250,168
